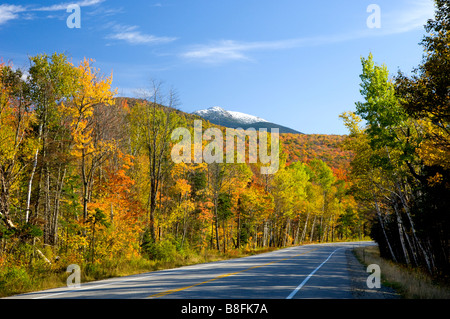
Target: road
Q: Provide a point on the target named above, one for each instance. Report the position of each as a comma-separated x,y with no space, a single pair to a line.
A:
308,271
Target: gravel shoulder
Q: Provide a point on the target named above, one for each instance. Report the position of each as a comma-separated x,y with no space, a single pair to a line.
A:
358,277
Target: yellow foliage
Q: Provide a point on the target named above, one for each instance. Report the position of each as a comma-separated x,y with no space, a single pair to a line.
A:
433,149
91,91
436,179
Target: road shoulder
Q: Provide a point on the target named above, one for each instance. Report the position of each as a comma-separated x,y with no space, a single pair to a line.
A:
358,277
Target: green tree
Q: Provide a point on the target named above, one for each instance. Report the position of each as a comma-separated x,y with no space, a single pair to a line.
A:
16,139
425,97
52,80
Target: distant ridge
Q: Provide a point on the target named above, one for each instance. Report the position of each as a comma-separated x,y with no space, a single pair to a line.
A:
232,119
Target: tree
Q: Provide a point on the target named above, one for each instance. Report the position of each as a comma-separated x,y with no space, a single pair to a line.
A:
91,92
52,80
324,177
152,125
15,144
390,163
425,98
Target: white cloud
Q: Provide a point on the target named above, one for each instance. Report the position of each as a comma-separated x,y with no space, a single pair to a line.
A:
413,17
217,52
225,50
63,6
9,12
131,35
229,50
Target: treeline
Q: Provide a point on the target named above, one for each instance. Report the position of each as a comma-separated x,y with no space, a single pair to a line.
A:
88,178
402,159
328,148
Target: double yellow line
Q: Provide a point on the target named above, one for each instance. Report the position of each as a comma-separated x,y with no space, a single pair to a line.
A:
168,292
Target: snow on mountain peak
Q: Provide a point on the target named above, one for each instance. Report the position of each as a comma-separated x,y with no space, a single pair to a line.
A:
246,118
217,111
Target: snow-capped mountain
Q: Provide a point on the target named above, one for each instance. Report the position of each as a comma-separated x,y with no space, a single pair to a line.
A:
233,119
216,112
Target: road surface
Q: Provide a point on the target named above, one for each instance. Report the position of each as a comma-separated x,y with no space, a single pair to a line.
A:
308,271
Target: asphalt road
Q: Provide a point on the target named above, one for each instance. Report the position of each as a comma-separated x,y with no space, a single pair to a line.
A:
308,271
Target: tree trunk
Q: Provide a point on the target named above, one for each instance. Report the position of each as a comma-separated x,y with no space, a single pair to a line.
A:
297,231
184,223
85,184
312,228
30,183
286,233
383,229
401,235
54,228
427,258
238,237
224,236
216,217
304,229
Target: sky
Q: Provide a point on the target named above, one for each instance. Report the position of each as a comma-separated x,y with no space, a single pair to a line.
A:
292,62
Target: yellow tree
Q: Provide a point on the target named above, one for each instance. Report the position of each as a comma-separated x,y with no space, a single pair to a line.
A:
254,209
181,190
92,91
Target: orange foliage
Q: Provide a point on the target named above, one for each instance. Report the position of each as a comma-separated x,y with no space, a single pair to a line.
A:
304,148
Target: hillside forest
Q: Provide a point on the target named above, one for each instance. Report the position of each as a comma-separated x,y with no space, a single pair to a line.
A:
86,177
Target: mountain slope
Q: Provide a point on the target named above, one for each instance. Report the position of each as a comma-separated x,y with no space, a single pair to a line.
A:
295,146
218,113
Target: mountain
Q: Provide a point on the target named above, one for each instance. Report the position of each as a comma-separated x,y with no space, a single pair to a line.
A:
232,119
218,113
295,146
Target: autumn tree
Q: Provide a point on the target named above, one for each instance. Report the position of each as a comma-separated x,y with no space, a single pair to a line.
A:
322,175
89,143
152,122
400,163
425,98
51,80
16,139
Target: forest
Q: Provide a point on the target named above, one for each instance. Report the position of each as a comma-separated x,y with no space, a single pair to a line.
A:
87,178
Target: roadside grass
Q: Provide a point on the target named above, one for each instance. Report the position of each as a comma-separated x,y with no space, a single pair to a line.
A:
408,282
20,279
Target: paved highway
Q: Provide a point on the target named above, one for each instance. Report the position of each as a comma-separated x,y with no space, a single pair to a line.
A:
308,271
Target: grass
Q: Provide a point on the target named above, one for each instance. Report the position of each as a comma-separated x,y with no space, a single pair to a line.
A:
408,282
18,280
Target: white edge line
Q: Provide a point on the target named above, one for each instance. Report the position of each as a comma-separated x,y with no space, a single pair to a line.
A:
293,293
162,272
87,287
92,287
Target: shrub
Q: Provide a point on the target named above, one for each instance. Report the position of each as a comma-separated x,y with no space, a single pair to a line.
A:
15,280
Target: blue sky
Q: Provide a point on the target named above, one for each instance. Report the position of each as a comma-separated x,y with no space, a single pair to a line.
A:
292,62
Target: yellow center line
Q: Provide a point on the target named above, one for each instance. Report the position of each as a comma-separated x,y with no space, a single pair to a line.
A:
171,291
